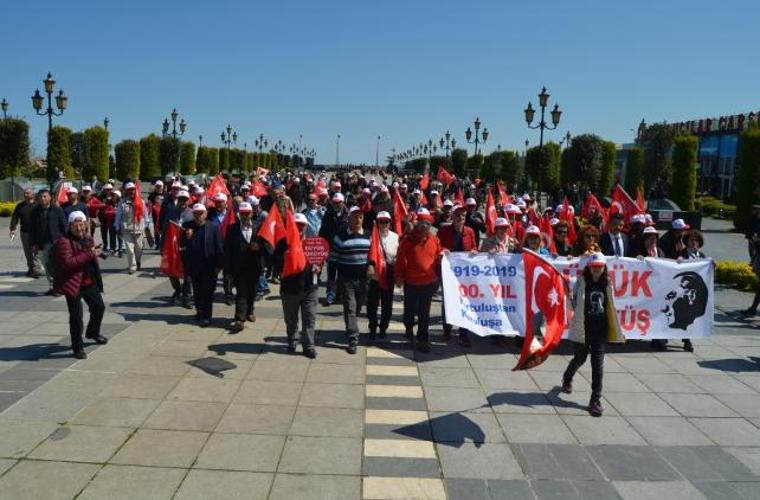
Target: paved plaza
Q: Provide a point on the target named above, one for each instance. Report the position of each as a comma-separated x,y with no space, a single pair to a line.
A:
170,410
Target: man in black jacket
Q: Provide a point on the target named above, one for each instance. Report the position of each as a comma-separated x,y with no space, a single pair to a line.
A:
205,258
242,253
333,221
614,241
23,213
48,224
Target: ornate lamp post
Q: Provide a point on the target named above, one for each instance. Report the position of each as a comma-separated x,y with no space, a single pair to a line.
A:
543,99
448,144
566,140
483,135
337,151
61,101
182,126
200,141
4,106
229,138
261,142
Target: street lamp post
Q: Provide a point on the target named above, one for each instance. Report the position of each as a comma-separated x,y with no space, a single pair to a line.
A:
483,135
229,138
4,106
543,99
200,141
377,153
174,133
61,101
337,151
566,140
261,142
448,144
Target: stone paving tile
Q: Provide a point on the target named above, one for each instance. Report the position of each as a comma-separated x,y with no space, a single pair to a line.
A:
257,419
669,431
729,431
116,412
19,438
551,461
120,482
391,380
399,404
577,403
580,490
322,455
631,463
746,405
709,463
667,382
484,461
721,384
520,428
5,464
468,489
455,399
393,391
211,390
335,374
421,431
605,430
78,443
315,487
644,365
337,422
676,490
277,371
186,416
400,467
639,404
698,405
396,488
472,427
32,480
208,484
140,386
271,393
333,395
161,448
153,365
447,377
727,491
241,452
750,457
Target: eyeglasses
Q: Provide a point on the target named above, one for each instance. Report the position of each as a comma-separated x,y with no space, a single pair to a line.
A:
561,231
383,221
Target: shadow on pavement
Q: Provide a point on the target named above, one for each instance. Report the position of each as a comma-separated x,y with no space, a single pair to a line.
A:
34,352
736,365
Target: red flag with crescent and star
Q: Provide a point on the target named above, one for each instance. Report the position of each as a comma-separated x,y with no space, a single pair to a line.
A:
544,303
377,257
272,229
295,258
490,213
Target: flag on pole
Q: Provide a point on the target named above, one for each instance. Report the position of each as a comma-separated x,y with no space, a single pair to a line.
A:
171,261
377,258
218,185
400,213
295,258
272,229
490,213
444,176
137,202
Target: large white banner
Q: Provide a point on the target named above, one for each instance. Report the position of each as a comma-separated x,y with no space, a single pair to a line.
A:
654,298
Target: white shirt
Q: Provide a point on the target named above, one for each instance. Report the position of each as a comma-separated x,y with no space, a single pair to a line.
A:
247,233
617,247
389,243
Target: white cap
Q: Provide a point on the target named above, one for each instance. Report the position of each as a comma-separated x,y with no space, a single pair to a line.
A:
117,192
198,190
338,197
220,197
300,218
471,202
297,180
521,204
649,230
86,187
107,185
596,259
533,230
129,185
395,184
159,182
432,192
245,186
72,190
648,219
404,185
199,207
183,194
512,209
176,184
191,182
679,224
416,191
553,221
638,218
383,188
423,214
245,207
366,191
383,215
353,210
448,203
253,201
76,216
526,197
501,222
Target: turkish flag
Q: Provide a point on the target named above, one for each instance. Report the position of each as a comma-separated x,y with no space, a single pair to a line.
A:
490,213
590,204
319,186
377,257
623,203
229,219
63,193
640,201
272,229
425,181
367,205
218,185
568,217
459,197
444,176
544,301
504,198
295,258
259,189
400,213
137,202
171,262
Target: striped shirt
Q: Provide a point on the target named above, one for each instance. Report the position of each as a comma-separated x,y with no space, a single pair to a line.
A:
349,253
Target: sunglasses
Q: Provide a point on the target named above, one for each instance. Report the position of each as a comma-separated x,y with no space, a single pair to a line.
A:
563,231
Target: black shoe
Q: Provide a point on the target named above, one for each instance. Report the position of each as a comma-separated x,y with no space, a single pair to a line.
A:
80,354
139,265
659,344
687,346
228,300
748,312
291,346
351,349
98,339
567,386
50,293
310,353
187,304
423,346
382,333
372,333
175,300
237,327
464,341
409,333
259,296
595,407
204,323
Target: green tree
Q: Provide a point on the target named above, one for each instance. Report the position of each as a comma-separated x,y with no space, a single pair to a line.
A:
585,163
511,169
96,153
748,179
187,158
213,164
59,153
607,175
150,160
224,159
474,165
168,154
565,166
634,170
491,167
201,160
78,154
543,165
127,159
658,141
440,161
684,171
14,146
236,160
458,162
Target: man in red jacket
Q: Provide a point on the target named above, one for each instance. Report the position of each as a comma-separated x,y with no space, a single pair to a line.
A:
418,265
77,276
457,237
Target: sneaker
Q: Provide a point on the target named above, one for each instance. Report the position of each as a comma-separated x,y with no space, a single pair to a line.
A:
687,346
187,304
228,300
310,353
98,339
567,386
595,407
330,299
423,346
351,349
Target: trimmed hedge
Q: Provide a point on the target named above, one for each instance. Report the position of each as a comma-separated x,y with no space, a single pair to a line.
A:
713,207
684,162
6,208
127,159
14,146
735,274
150,166
748,178
187,158
634,170
59,153
95,153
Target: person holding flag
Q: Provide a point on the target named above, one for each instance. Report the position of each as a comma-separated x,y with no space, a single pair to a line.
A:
205,258
243,264
595,323
172,256
382,257
131,218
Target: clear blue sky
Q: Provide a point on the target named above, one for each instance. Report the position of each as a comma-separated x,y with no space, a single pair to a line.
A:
406,71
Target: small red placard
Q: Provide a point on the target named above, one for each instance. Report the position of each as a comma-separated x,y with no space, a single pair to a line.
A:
316,249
